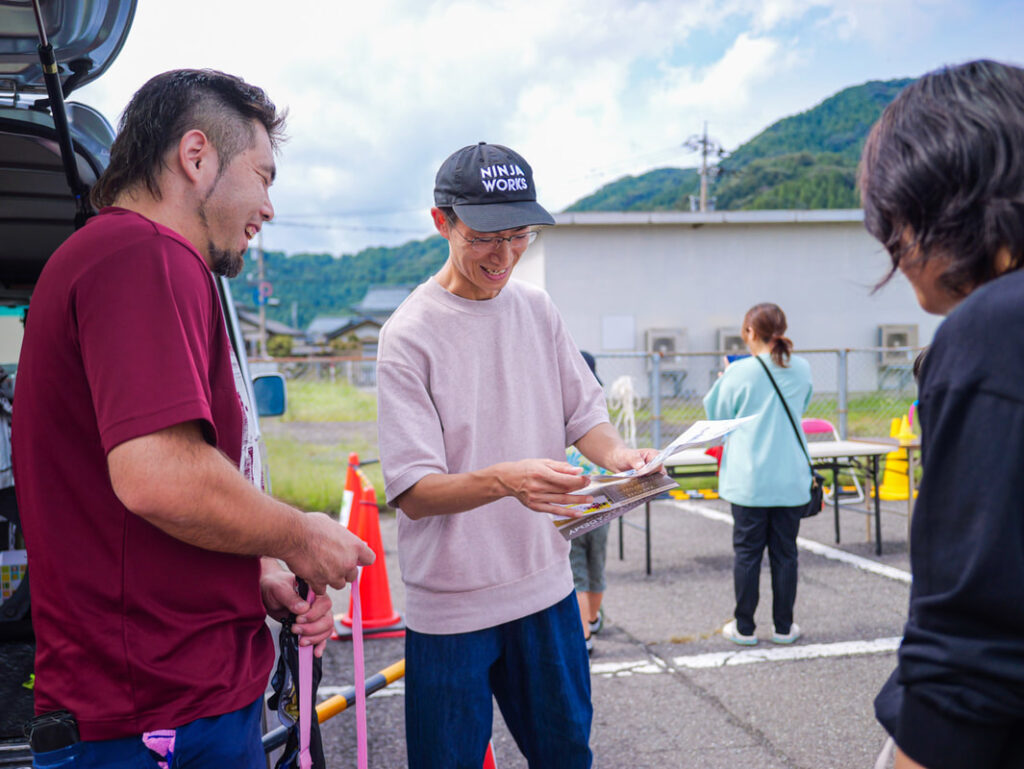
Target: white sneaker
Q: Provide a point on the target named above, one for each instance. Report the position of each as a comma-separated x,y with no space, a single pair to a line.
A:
787,638
597,624
733,633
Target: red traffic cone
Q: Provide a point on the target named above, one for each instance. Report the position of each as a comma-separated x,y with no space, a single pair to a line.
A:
380,620
353,490
489,762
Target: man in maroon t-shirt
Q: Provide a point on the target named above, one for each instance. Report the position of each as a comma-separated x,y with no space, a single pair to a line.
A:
154,560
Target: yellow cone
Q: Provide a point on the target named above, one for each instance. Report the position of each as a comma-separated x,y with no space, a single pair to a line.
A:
905,434
895,483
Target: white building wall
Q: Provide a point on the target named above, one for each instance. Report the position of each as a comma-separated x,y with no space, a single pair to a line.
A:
821,275
702,272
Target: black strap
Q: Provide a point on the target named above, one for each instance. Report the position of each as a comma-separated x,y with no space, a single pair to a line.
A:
792,421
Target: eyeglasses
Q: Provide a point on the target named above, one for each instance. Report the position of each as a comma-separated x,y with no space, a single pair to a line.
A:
485,245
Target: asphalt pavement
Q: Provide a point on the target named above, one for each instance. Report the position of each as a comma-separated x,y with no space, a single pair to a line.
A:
668,690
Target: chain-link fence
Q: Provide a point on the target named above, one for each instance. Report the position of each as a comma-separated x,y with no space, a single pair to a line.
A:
354,370
332,406
859,390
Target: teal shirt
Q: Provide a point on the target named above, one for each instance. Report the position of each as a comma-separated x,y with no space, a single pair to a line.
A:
762,465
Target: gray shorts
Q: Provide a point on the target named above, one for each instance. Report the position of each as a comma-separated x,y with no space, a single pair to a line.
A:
586,557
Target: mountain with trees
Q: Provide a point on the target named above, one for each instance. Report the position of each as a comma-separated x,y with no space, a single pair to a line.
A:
806,161
307,285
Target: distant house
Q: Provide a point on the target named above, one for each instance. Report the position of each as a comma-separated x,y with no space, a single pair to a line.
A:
381,301
249,320
323,327
364,323
365,330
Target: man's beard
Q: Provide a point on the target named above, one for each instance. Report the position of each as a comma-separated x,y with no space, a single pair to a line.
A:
225,262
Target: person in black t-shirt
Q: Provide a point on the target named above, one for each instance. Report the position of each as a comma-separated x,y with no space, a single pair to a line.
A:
942,180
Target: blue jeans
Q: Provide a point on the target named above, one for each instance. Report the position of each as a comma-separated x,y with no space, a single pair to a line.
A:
231,740
587,558
535,667
756,528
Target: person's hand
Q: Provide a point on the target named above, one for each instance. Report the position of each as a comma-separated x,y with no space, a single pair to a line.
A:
544,484
624,458
326,553
313,621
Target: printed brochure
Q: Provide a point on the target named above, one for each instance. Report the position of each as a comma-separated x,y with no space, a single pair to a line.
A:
615,495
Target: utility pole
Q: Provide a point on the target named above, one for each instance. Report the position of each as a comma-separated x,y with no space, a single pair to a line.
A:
707,147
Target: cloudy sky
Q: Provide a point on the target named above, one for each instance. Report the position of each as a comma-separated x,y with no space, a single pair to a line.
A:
380,93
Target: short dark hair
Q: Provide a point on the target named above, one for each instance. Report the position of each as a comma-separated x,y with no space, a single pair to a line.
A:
943,171
768,322
169,105
449,215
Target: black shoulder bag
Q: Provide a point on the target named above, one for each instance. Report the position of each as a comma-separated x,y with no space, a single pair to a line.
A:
817,481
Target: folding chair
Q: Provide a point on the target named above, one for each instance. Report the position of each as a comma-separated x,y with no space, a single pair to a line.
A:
819,429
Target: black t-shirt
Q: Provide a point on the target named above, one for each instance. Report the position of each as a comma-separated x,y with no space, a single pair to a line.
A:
963,650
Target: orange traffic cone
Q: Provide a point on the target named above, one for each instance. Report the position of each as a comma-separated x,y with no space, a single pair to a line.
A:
352,491
357,513
380,620
489,762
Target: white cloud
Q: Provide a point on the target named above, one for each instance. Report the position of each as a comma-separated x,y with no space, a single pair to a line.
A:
898,22
728,83
379,93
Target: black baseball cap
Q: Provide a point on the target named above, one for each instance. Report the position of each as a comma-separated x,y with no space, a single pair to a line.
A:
490,187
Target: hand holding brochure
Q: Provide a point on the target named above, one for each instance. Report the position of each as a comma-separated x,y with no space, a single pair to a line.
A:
614,495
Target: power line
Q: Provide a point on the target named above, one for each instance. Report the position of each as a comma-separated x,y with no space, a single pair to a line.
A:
276,221
707,147
349,214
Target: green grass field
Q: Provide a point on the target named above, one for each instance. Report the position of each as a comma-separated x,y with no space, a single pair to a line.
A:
311,476
329,402
310,473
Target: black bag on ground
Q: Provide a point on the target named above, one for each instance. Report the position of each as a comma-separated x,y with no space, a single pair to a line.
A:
817,481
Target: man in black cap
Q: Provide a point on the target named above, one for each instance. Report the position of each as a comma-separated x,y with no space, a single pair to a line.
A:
481,389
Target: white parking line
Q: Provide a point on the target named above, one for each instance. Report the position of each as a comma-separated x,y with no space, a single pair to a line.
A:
654,666
833,553
779,654
747,657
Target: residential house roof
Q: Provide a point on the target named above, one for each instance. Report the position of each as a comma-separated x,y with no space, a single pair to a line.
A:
382,300
249,317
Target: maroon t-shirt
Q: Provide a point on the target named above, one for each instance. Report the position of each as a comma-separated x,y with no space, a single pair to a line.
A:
135,630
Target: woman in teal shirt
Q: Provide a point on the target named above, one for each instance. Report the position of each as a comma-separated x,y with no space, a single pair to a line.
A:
764,472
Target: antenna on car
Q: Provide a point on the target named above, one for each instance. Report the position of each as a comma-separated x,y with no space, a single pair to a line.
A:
51,76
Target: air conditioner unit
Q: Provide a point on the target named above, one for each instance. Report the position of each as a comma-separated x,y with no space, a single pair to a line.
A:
897,335
668,342
729,340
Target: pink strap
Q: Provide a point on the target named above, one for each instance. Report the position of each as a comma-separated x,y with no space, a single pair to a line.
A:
360,675
306,705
